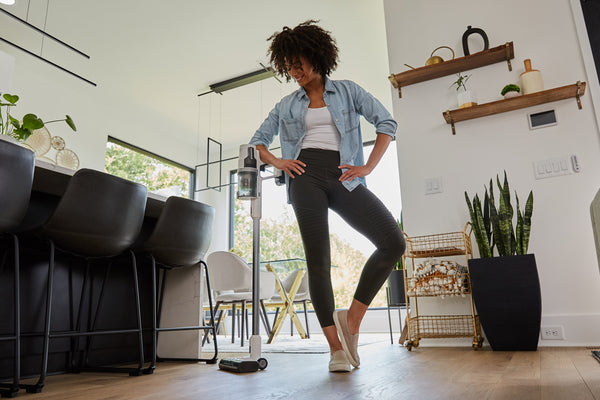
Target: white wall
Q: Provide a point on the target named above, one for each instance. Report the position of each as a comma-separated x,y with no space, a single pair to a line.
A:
562,240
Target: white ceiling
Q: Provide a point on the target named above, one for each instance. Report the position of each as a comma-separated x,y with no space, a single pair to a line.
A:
153,57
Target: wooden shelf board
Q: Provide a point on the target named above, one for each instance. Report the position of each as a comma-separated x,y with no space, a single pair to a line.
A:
514,103
480,59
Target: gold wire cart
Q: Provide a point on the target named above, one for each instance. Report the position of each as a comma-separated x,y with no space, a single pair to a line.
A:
438,284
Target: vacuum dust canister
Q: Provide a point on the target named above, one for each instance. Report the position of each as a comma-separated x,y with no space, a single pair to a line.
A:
247,172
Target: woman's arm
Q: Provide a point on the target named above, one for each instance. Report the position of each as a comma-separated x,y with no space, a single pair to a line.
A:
381,144
373,110
289,166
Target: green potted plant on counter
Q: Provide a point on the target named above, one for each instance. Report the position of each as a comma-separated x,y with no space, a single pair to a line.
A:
21,130
504,281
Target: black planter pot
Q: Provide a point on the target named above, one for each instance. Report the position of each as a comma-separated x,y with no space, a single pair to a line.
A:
506,292
396,288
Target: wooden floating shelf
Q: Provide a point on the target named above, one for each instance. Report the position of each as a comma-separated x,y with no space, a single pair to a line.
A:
501,53
514,103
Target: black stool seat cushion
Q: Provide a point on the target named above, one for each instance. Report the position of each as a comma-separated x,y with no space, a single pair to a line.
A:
99,215
182,233
16,176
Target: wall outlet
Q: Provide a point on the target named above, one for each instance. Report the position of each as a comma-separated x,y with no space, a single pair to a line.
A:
553,332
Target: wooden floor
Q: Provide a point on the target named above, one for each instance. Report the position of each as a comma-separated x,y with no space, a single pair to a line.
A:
386,372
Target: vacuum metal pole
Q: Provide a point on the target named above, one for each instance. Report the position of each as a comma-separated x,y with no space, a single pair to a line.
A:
256,213
255,276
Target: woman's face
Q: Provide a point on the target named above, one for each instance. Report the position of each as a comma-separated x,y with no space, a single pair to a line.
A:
302,71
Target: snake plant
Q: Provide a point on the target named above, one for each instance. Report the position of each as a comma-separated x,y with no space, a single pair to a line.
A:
493,226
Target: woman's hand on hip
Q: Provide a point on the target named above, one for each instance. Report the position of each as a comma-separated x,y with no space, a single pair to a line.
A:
290,167
354,171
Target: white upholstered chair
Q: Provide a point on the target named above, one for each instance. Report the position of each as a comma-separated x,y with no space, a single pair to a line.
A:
231,284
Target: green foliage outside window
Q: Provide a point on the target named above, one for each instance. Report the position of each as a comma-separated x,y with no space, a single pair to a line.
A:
152,172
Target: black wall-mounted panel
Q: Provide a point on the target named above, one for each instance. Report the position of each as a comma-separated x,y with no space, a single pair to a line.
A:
591,14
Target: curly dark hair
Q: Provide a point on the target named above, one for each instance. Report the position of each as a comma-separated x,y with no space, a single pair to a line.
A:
308,40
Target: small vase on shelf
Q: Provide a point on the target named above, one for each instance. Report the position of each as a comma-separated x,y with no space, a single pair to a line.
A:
466,98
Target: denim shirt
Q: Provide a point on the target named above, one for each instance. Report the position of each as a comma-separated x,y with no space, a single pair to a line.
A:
346,102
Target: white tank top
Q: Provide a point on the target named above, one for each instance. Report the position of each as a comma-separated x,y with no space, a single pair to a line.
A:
321,132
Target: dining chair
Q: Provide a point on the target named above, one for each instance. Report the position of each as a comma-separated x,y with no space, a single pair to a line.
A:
232,287
16,177
98,218
302,297
180,239
292,290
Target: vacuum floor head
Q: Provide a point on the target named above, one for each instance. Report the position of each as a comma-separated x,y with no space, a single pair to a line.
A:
242,365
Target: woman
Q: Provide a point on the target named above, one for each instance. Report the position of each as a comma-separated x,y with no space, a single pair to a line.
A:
321,147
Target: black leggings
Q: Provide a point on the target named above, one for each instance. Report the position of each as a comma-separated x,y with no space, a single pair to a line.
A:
311,195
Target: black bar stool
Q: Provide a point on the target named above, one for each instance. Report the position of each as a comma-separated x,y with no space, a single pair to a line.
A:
98,217
16,176
180,239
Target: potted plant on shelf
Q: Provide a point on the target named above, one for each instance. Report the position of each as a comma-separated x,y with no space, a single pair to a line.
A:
21,130
465,96
510,90
504,281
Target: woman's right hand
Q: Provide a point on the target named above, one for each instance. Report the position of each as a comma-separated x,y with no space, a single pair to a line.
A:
290,167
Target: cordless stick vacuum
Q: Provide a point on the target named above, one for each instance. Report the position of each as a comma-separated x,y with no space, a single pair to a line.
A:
250,188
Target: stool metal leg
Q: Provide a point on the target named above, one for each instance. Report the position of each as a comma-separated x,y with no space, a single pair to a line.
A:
92,314
139,312
132,371
162,294
217,324
77,366
152,366
11,390
38,386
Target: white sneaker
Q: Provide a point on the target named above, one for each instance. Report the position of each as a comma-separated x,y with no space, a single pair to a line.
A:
349,342
339,362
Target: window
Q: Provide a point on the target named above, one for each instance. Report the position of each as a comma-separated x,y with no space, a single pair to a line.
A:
280,236
160,175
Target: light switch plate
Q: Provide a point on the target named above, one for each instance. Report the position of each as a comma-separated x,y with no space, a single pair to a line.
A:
552,167
433,185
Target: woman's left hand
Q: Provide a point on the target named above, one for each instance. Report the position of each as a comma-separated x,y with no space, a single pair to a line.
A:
354,171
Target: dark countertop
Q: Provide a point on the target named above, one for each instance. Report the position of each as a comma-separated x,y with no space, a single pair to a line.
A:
53,180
